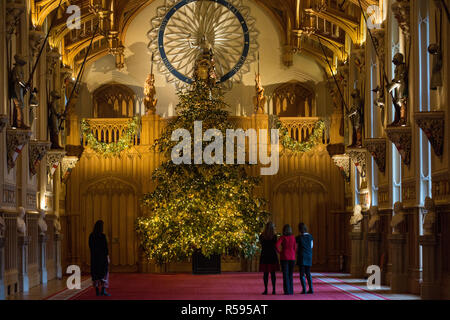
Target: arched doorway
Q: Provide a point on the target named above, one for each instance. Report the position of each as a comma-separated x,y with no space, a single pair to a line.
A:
115,202
303,199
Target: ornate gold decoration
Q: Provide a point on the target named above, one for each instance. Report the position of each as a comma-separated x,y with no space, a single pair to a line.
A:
377,148
37,150
15,141
360,59
433,125
401,138
115,145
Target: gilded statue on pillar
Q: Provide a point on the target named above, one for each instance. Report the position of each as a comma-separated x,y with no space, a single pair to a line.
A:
259,101
53,119
150,92
357,119
400,86
18,89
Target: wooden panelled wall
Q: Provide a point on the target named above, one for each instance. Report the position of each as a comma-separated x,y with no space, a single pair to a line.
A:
308,187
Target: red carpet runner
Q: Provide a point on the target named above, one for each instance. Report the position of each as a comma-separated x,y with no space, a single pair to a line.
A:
226,286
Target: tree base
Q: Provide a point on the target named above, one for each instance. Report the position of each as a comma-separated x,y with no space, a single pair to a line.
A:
204,265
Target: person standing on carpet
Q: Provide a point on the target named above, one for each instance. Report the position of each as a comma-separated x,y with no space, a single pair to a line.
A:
268,262
99,259
287,257
304,256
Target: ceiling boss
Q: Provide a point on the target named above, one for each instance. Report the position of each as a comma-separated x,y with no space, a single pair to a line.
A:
183,28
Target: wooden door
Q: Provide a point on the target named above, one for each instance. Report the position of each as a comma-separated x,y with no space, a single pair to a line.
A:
115,202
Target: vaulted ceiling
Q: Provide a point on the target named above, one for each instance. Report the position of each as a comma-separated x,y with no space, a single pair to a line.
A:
323,29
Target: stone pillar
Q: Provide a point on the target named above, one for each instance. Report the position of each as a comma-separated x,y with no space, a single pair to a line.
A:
399,276
22,265
373,254
59,273
357,263
430,286
43,258
2,269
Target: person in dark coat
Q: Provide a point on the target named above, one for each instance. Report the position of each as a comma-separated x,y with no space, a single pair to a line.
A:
304,256
268,262
99,259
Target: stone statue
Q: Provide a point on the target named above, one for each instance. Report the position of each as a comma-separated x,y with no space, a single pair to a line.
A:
21,225
41,223
150,92
357,119
374,218
430,217
2,227
259,101
400,86
57,225
53,119
436,72
357,217
18,89
399,216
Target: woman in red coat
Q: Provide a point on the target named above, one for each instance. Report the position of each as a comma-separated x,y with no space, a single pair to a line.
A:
287,258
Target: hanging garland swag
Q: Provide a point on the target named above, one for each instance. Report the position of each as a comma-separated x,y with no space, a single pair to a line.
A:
113,148
298,147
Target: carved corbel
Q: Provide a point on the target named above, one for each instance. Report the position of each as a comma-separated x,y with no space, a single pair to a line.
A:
15,141
433,125
359,158
73,155
54,158
342,161
14,12
401,137
36,39
377,148
3,121
68,163
37,150
65,73
401,9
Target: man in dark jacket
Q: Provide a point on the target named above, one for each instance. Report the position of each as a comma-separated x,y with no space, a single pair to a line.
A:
304,256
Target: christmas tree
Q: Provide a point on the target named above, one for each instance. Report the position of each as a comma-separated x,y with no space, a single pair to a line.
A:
206,207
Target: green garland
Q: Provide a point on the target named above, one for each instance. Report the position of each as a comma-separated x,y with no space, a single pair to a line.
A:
113,148
288,143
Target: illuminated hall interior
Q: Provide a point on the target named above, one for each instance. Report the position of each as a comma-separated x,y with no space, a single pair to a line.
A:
360,89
